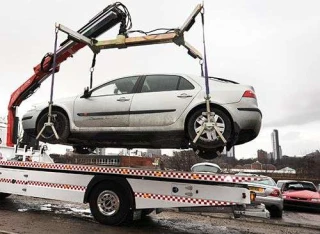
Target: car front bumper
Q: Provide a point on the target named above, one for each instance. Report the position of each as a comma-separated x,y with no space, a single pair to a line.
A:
315,206
29,121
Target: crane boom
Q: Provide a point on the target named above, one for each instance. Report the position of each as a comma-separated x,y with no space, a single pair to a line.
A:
102,22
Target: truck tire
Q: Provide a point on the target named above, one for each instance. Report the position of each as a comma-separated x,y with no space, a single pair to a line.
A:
110,203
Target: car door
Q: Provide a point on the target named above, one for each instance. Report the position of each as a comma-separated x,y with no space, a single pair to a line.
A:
107,105
161,101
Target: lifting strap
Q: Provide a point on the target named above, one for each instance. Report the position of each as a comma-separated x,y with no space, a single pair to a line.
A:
204,66
50,124
204,72
92,69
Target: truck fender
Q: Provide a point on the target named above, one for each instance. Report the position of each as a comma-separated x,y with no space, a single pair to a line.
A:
120,181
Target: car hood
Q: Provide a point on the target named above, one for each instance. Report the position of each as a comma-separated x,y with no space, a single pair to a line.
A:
302,194
40,106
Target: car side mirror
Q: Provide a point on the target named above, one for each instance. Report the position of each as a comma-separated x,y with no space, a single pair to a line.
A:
86,93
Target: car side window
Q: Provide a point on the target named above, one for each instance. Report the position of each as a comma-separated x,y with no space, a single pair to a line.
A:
185,85
159,83
116,87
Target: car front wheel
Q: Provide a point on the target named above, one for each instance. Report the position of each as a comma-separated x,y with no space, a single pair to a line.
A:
61,124
209,139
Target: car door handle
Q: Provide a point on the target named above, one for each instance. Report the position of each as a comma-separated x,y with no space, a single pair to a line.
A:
184,95
123,99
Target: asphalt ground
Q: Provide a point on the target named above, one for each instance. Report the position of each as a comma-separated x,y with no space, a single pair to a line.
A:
20,214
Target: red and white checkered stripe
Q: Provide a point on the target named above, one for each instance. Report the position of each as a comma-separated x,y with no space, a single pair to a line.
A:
129,171
12,181
44,184
189,200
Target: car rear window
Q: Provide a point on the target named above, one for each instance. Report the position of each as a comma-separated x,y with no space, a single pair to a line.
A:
185,85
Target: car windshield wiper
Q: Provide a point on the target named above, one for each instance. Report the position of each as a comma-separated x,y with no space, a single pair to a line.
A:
222,79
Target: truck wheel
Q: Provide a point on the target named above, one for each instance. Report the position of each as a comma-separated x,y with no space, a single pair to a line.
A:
4,195
109,203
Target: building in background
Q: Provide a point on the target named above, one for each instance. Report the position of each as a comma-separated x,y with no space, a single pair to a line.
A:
275,145
262,156
153,152
231,153
101,151
280,152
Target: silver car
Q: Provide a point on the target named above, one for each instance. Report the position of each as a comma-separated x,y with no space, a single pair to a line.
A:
267,193
206,167
151,111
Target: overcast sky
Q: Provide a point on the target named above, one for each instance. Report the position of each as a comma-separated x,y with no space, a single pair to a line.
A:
271,45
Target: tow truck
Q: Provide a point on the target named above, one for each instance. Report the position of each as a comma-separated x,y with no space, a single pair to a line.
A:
115,194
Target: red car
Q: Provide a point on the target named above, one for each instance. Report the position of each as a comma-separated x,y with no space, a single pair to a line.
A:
300,194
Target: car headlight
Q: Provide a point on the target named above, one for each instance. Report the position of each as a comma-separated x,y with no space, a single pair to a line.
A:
315,199
284,196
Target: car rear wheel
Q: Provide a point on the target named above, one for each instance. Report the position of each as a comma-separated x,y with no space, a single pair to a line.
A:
209,138
275,212
80,149
61,124
208,154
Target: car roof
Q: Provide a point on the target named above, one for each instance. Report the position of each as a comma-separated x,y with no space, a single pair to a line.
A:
303,181
249,174
206,164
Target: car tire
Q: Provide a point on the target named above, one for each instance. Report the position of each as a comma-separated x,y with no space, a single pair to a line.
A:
275,212
110,204
204,142
60,122
208,154
4,196
80,149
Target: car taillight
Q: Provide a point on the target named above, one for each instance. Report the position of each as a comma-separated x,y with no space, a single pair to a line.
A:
275,193
249,94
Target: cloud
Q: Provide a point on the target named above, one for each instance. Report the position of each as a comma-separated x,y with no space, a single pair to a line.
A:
291,136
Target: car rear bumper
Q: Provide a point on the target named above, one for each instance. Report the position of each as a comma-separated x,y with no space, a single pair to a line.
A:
247,122
270,201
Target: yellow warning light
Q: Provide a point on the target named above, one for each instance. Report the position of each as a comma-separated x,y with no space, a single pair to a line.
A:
158,173
195,176
252,196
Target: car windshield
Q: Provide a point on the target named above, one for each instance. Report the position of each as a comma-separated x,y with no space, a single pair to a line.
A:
300,186
206,168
